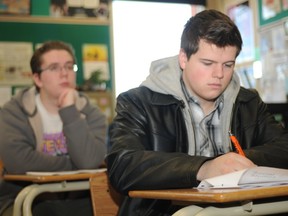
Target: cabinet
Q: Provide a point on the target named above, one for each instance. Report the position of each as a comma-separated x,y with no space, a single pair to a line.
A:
104,100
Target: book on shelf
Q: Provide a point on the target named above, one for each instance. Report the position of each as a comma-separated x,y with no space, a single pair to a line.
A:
259,176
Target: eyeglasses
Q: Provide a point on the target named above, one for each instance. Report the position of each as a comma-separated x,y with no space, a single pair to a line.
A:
56,68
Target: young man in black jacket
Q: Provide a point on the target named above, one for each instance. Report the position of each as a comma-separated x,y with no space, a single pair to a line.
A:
173,130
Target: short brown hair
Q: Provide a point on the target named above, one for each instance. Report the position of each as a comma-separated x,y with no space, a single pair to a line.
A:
36,60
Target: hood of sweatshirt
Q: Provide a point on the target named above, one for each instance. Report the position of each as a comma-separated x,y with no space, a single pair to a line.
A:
165,74
26,99
164,77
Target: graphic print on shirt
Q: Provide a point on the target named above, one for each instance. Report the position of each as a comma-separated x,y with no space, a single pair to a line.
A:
54,144
54,140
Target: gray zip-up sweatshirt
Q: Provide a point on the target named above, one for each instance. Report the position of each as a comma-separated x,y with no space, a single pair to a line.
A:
84,127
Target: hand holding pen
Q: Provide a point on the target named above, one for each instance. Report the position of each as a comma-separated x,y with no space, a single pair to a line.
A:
236,144
229,162
223,164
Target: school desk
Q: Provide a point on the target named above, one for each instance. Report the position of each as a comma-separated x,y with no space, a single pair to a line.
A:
204,202
46,183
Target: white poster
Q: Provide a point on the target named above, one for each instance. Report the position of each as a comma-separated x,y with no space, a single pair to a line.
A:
15,63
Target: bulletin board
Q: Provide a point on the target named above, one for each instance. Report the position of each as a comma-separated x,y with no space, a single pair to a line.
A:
271,11
76,34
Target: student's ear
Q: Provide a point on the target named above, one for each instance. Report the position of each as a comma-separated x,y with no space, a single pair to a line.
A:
182,57
36,79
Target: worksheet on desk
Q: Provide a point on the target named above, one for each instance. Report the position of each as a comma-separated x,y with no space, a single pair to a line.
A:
259,176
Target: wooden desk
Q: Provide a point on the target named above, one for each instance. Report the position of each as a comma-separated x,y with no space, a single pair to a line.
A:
45,178
241,200
42,184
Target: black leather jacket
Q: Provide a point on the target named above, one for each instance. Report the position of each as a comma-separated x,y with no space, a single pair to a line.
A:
149,145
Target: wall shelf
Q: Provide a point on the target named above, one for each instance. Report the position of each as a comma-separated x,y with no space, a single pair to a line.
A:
54,20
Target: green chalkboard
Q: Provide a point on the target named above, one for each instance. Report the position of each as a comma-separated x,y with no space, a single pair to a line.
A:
76,34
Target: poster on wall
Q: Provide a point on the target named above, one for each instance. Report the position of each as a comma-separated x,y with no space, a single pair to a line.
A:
285,4
270,8
274,58
19,7
95,65
14,63
79,8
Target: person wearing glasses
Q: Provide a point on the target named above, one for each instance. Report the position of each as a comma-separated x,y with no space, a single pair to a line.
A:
51,127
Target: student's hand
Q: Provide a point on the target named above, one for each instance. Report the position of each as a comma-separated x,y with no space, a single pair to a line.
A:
67,98
223,164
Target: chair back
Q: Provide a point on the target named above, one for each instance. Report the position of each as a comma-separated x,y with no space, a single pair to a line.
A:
1,169
105,200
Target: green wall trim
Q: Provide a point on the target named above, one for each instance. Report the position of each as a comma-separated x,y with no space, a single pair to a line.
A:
40,7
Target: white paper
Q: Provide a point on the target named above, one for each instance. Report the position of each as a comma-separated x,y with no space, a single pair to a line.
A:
229,180
66,172
263,176
91,3
75,3
254,177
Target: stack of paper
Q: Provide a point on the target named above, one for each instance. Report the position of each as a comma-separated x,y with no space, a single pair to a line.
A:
253,177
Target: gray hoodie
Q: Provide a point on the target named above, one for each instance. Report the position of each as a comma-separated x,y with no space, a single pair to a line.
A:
164,77
84,127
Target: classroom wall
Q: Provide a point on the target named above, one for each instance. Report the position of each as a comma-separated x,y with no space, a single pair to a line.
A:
39,27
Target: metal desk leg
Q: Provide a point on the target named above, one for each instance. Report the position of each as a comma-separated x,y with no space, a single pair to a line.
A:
269,208
51,187
188,210
17,208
